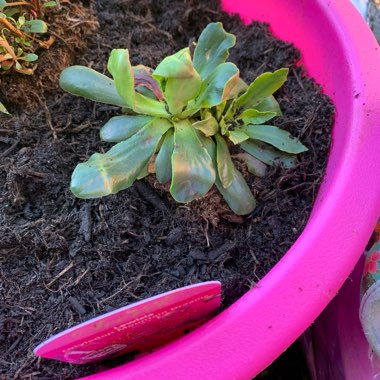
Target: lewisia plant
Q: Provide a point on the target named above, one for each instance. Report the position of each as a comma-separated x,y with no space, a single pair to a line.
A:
180,120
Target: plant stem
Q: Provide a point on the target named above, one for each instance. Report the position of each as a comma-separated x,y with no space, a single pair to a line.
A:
12,28
19,3
4,43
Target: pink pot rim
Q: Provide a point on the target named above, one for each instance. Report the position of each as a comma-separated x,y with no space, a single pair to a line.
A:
341,53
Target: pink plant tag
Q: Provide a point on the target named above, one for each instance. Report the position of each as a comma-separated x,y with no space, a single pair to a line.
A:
139,327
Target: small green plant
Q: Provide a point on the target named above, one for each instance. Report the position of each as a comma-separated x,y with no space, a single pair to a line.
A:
183,117
19,36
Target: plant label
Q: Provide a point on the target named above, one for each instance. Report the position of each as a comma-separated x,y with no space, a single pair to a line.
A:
136,328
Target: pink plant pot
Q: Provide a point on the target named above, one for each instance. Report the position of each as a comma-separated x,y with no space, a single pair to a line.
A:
340,52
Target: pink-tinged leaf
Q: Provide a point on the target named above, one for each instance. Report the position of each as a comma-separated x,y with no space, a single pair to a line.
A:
143,77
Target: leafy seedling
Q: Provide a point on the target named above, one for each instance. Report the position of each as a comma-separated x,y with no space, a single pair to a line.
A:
21,34
183,117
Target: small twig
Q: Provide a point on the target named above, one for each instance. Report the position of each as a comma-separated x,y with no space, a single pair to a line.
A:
17,3
7,131
49,122
77,281
298,80
133,234
82,22
60,274
11,27
13,346
10,149
116,293
300,186
206,232
34,173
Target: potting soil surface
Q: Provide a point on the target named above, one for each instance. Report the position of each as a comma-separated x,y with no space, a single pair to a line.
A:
64,260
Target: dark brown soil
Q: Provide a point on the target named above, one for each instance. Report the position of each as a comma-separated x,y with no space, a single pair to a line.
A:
65,260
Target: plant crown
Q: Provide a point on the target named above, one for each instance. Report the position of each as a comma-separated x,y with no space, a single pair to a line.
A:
180,120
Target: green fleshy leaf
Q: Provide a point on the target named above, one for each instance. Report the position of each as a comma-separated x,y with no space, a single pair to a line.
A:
35,26
238,195
224,162
30,57
86,82
108,173
3,4
120,128
212,48
262,87
237,136
21,20
149,106
223,126
254,166
252,116
193,170
144,173
120,68
50,4
208,126
179,81
178,65
219,109
269,104
230,113
164,158
218,85
277,137
267,154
